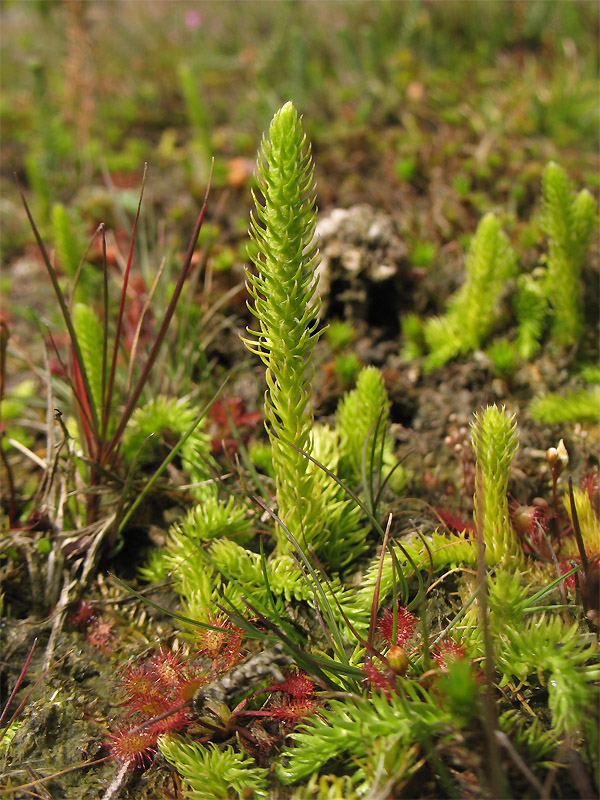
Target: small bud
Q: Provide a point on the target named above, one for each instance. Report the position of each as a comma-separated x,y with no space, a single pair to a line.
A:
563,455
557,458
398,660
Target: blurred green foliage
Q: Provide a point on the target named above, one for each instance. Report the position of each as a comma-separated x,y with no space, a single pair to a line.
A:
215,75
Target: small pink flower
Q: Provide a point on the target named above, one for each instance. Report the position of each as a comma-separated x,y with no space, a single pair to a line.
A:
193,20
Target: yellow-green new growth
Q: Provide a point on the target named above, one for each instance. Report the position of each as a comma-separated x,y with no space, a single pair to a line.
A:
495,441
472,309
588,523
210,773
568,221
284,302
89,332
362,421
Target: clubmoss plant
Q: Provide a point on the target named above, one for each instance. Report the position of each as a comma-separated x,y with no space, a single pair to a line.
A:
588,522
495,442
531,310
340,334
529,735
71,248
553,291
90,334
503,355
211,773
346,367
528,644
196,106
284,301
413,336
568,221
362,423
356,729
156,426
50,145
473,310
553,408
341,731
286,306
326,787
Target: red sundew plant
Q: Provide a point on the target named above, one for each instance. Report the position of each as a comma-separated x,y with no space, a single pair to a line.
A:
296,684
137,681
565,565
164,679
158,691
223,646
299,701
547,533
531,524
167,667
383,679
156,695
447,652
132,746
290,711
397,628
226,414
98,632
83,615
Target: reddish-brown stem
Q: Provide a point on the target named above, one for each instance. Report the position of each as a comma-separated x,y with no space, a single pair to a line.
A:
103,393
115,353
131,403
63,306
159,717
375,605
78,393
15,690
577,531
556,505
86,414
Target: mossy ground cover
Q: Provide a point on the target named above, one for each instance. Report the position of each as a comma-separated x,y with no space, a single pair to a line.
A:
430,115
